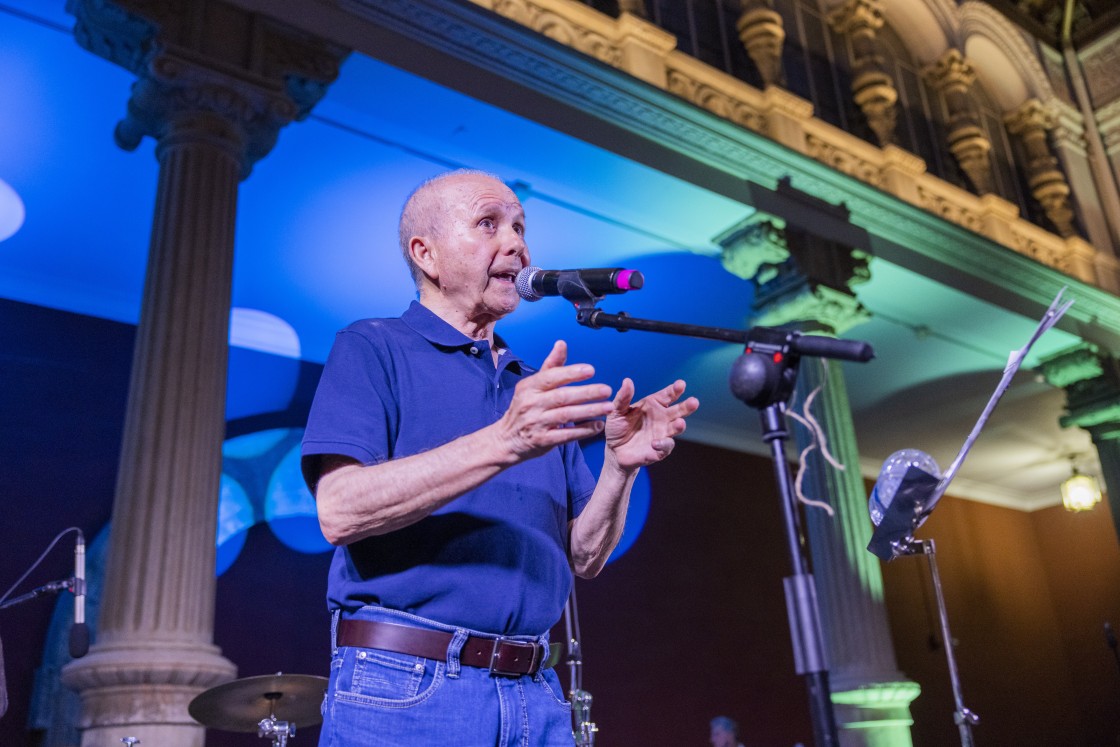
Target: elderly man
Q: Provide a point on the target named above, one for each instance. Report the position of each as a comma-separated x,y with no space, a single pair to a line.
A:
447,473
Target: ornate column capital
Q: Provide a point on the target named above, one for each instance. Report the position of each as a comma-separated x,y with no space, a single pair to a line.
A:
236,90
754,248
1032,116
799,277
856,16
950,70
1091,380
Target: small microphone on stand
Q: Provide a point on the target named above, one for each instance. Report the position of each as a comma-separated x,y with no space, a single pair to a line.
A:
79,631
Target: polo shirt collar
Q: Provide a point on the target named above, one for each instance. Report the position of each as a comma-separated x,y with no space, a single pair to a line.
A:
435,330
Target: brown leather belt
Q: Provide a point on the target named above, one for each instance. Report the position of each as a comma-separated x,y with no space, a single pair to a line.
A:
502,656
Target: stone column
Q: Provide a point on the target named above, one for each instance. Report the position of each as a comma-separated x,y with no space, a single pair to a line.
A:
1029,125
811,289
153,652
873,89
1091,380
762,33
953,76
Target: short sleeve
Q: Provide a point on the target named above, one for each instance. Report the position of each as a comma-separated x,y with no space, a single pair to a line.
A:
353,413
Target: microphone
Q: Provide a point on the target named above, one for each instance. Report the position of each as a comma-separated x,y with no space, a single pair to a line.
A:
890,478
79,631
533,283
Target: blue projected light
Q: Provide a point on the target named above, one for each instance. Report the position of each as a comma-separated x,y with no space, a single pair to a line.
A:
639,499
235,516
289,507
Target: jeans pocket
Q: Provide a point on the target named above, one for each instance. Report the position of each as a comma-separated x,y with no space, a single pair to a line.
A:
551,683
373,676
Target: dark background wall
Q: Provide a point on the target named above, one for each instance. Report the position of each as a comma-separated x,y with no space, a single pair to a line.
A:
690,623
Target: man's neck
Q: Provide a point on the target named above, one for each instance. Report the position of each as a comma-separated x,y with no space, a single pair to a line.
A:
472,328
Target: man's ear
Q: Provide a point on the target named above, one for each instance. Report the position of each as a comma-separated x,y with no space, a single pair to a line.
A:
423,255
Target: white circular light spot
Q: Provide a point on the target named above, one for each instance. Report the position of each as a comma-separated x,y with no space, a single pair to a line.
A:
267,333
12,212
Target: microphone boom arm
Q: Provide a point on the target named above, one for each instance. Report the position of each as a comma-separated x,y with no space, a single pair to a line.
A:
786,341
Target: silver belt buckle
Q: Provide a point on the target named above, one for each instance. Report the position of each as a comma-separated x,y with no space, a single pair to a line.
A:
533,650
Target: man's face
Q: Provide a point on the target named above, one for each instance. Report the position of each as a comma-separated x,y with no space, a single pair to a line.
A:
479,248
721,737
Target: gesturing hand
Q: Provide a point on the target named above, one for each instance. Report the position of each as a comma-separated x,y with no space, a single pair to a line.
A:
642,432
547,410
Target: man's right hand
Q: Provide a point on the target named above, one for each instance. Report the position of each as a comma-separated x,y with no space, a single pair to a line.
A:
548,410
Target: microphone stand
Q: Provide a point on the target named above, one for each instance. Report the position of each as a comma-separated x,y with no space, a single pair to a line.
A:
764,378
964,718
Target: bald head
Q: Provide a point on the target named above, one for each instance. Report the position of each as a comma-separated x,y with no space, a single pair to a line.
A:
425,212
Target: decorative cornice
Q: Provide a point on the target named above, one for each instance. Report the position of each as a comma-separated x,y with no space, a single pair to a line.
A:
729,158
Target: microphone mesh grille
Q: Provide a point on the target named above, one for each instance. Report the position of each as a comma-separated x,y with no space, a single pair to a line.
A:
524,283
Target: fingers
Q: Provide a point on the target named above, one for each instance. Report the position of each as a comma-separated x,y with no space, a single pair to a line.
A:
624,397
669,394
557,356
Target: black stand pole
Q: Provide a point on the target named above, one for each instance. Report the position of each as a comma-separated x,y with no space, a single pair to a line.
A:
763,378
801,592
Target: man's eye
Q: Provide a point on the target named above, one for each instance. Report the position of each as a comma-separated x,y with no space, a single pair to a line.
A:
486,223
520,229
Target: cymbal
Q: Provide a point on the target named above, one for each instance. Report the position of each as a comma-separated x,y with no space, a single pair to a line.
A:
241,704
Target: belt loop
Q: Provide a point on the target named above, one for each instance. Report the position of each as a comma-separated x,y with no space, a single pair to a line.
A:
335,616
542,641
453,650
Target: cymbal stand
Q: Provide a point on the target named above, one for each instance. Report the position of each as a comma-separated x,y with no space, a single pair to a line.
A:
962,716
583,729
277,731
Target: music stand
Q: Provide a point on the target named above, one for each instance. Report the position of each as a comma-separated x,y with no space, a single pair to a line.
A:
915,498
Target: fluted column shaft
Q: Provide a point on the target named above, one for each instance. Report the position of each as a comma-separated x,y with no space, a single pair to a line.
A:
157,614
153,651
871,696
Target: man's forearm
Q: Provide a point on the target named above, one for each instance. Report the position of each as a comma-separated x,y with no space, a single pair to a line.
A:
355,501
595,533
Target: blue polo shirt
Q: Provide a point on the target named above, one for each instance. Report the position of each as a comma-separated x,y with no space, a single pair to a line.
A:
494,559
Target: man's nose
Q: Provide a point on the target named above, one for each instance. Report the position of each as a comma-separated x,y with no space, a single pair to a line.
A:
514,243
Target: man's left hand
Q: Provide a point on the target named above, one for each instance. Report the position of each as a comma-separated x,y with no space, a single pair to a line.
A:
642,432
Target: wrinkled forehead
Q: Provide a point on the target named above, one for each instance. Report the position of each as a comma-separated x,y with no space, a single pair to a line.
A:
474,192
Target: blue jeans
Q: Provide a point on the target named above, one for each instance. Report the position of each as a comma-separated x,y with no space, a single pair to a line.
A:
380,698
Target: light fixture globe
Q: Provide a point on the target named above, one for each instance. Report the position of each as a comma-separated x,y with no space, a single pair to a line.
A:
1080,492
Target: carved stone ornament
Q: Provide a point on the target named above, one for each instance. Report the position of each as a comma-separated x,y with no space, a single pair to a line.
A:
1048,185
873,90
953,76
237,88
754,248
762,33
